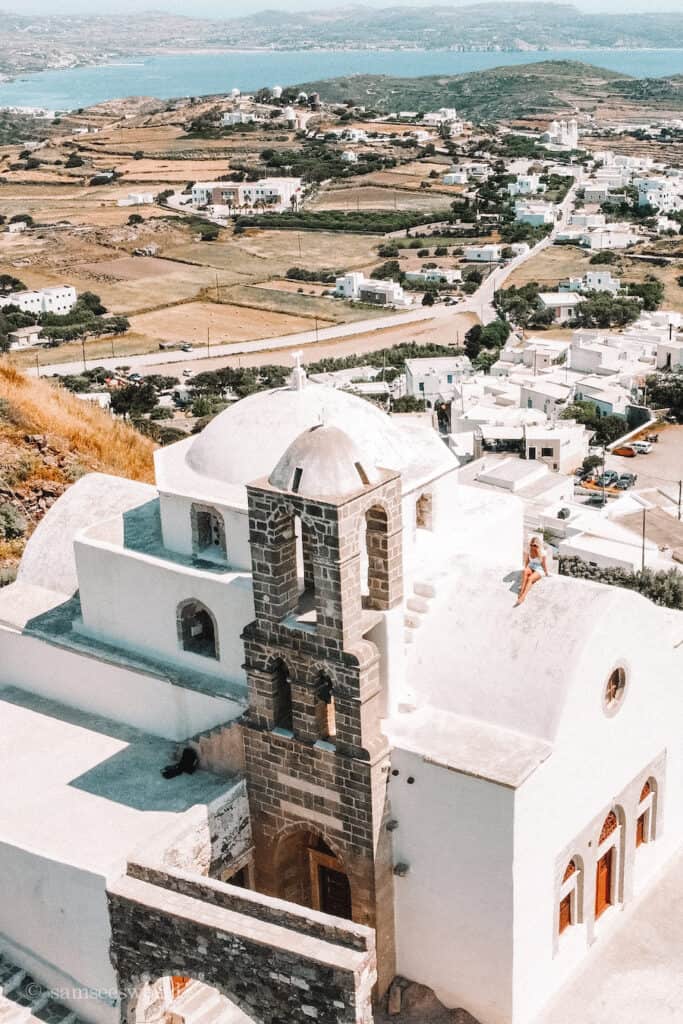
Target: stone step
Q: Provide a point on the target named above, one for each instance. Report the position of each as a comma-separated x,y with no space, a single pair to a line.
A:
197,1004
424,589
11,1013
412,620
14,978
418,604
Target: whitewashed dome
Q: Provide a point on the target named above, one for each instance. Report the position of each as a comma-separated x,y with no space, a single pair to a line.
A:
246,441
323,462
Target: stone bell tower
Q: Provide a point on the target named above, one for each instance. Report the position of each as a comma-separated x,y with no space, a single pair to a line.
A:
326,547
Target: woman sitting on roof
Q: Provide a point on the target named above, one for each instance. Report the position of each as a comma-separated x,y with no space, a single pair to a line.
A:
534,565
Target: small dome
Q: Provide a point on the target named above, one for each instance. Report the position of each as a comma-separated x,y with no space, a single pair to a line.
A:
323,462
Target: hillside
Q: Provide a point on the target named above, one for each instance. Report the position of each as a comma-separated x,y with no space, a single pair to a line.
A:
48,439
30,42
504,92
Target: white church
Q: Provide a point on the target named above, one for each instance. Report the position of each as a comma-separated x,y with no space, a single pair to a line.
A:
398,772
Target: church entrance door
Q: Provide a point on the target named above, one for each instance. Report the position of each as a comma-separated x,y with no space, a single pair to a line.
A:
330,887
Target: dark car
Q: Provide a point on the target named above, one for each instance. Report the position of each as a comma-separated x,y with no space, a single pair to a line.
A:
625,481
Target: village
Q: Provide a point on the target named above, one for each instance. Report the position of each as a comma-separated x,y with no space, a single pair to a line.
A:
360,688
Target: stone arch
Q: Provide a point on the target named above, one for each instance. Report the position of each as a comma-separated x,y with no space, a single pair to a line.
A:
310,870
282,694
377,548
325,705
197,628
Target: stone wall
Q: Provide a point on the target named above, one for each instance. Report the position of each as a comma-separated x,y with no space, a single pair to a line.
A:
274,975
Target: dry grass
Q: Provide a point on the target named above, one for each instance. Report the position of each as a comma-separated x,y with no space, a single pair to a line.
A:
100,442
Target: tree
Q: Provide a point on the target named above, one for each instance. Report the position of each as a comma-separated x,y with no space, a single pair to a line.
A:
12,523
601,309
74,160
428,299
473,341
390,270
9,283
134,399
485,360
19,217
208,232
650,291
92,302
135,218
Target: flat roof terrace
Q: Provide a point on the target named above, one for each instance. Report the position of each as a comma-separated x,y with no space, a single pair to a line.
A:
84,790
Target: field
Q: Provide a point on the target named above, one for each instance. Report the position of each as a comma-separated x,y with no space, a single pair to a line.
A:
371,197
225,323
560,261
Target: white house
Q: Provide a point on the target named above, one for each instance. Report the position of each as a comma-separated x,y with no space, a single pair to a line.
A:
137,199
581,219
275,194
349,156
490,252
233,117
348,286
535,214
563,304
562,134
24,337
455,178
592,281
383,293
59,299
435,378
595,193
396,771
526,185
435,275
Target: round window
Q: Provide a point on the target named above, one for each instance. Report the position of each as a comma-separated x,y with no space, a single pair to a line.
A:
614,690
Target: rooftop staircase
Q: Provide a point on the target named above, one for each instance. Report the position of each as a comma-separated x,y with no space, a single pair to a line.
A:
23,1000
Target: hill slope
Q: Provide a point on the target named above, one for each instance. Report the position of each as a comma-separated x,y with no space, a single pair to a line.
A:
48,439
503,92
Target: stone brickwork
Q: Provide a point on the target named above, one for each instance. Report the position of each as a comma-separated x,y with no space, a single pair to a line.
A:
299,782
275,975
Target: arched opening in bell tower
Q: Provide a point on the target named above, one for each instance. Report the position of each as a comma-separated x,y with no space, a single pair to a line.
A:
310,873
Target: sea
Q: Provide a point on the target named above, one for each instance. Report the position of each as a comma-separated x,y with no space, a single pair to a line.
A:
176,75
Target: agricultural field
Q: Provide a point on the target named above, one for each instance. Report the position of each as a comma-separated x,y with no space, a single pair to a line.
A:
225,323
371,197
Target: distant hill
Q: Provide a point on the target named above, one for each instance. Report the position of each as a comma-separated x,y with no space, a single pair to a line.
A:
505,92
48,438
29,42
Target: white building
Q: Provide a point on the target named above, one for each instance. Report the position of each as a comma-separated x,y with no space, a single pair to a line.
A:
437,378
526,185
233,117
455,178
592,281
137,199
383,293
562,134
275,194
490,252
24,337
535,214
596,193
563,304
529,759
442,116
349,156
610,236
60,299
581,219
348,286
434,275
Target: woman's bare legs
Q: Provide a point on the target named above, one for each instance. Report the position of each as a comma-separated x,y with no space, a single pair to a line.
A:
530,577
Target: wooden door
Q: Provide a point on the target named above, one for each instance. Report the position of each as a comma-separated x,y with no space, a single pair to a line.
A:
640,830
565,913
335,892
603,883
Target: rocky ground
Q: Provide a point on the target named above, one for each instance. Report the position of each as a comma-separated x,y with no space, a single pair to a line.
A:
408,1003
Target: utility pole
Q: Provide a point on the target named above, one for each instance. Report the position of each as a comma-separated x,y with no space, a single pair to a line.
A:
83,351
217,286
642,561
316,330
680,496
38,373
208,341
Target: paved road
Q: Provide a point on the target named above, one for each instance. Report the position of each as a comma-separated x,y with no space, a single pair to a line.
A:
479,303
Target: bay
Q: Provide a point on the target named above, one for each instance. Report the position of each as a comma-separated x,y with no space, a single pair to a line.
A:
195,74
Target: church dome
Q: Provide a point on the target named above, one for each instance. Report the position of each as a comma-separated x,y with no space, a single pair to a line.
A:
246,441
323,462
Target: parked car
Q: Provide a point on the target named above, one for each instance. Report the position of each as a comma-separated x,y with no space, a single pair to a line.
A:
608,478
652,437
625,481
627,450
642,447
186,347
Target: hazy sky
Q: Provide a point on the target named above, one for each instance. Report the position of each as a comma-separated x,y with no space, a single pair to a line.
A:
228,8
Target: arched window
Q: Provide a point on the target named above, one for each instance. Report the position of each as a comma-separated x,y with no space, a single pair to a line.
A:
569,911
208,533
282,696
324,708
423,512
197,629
646,818
614,690
377,547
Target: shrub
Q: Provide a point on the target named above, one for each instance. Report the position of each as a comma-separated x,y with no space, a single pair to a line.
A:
664,588
12,523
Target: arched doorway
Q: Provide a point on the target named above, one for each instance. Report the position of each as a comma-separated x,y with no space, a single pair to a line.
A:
310,873
177,999
197,629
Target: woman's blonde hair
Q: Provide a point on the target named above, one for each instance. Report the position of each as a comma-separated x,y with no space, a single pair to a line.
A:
535,542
